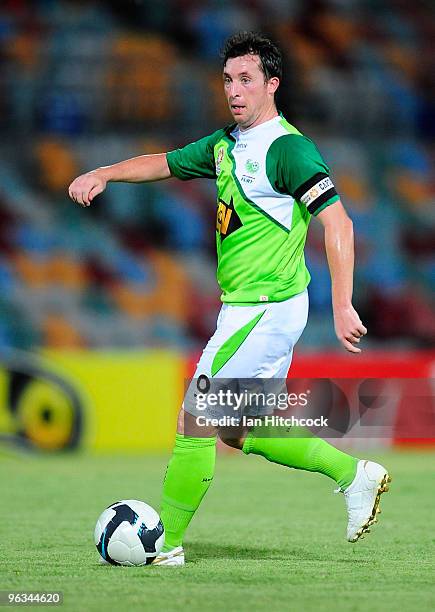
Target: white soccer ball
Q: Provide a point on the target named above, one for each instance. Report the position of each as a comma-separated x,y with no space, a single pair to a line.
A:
129,532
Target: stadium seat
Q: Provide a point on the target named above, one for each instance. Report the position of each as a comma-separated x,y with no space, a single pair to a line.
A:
59,333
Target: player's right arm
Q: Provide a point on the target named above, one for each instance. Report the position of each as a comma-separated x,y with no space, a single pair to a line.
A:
195,160
143,168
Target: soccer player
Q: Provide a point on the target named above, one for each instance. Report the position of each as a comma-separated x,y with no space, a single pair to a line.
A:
270,180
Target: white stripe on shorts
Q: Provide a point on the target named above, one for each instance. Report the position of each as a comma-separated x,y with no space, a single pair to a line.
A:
268,349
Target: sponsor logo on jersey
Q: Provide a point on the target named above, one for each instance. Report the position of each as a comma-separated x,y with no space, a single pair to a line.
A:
223,218
227,219
252,166
314,192
241,145
247,179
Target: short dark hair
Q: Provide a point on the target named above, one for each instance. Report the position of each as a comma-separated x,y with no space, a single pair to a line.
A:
254,43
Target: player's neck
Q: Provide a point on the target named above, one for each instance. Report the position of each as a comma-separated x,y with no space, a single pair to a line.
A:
269,114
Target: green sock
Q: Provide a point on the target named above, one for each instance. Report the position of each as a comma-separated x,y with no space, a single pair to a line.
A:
188,477
287,447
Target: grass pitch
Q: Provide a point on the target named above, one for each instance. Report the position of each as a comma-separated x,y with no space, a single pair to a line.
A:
265,538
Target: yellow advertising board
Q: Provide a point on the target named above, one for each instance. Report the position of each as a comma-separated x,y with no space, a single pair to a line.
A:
102,401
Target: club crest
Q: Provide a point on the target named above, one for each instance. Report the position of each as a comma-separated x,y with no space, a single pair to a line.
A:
219,158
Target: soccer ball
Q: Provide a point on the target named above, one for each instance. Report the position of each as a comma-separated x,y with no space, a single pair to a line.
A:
129,532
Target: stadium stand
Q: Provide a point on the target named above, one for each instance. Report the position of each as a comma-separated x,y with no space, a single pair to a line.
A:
84,83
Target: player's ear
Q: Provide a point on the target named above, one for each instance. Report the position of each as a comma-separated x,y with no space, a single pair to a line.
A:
272,85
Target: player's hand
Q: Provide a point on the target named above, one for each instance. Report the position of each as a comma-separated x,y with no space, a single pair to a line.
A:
85,187
348,327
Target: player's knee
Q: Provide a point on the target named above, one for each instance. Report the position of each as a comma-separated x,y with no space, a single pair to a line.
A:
188,426
180,421
234,442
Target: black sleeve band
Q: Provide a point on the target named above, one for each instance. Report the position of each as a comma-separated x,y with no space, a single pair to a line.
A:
299,192
318,202
315,192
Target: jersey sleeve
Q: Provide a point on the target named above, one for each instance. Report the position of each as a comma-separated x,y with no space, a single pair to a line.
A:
195,160
294,166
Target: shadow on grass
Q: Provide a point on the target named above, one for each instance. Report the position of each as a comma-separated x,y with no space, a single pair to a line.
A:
200,551
210,550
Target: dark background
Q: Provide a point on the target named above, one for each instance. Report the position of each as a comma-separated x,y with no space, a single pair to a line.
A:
86,83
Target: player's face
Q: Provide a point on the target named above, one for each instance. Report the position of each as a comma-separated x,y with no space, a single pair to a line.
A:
249,96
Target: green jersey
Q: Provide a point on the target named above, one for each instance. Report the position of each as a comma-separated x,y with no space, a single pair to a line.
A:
270,180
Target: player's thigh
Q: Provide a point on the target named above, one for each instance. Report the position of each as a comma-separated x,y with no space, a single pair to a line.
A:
254,341
267,350
249,342
229,325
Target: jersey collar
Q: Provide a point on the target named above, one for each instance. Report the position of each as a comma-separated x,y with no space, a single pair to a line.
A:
256,128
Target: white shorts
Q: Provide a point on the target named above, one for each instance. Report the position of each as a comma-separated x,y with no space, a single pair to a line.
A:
264,349
251,342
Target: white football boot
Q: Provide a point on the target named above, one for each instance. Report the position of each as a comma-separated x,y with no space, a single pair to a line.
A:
363,496
172,557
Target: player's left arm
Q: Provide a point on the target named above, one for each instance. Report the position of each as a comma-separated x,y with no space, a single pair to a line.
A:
295,166
339,245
